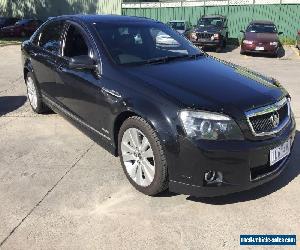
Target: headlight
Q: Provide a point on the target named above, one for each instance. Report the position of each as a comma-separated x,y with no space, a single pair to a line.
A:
209,126
193,36
274,43
215,36
247,42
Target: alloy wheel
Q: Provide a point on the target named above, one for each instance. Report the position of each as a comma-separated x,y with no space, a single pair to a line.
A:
31,92
138,157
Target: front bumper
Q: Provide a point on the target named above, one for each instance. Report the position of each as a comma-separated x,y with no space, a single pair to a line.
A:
244,165
207,43
252,48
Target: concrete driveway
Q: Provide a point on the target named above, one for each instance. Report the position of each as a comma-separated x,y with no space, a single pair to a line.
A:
58,190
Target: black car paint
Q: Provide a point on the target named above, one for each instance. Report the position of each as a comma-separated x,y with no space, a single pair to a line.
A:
99,103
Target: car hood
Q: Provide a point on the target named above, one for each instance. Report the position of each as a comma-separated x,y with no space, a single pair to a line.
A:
208,83
261,37
209,29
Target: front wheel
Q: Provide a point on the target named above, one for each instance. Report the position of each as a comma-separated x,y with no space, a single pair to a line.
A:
142,156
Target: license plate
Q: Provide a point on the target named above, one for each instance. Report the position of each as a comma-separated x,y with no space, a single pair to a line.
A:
280,152
260,48
203,40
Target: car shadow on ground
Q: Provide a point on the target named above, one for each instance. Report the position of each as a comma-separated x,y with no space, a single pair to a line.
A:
227,49
11,103
290,173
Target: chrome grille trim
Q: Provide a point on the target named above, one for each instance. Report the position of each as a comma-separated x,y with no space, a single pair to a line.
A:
269,109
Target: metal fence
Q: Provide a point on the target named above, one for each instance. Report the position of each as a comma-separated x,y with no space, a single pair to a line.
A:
285,13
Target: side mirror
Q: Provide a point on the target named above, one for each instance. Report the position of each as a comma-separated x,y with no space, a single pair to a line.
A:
280,33
242,31
82,62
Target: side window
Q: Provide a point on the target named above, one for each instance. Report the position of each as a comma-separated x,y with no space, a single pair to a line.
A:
50,37
75,44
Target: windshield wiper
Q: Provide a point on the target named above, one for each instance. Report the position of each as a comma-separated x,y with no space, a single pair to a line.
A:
163,59
166,59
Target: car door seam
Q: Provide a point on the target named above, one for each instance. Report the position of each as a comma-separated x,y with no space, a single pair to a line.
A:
74,117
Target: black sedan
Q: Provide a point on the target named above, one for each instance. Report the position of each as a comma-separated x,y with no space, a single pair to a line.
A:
177,118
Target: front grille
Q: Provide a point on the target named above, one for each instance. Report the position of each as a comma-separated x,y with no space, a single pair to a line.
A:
269,120
204,35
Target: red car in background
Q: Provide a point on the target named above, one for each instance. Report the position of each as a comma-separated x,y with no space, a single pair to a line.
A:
298,40
261,37
22,28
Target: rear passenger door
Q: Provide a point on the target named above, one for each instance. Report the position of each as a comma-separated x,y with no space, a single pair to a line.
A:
44,57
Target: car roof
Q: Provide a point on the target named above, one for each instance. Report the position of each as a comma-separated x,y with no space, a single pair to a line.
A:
261,22
106,18
212,16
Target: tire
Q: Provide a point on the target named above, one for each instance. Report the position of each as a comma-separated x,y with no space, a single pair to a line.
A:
148,179
34,95
219,49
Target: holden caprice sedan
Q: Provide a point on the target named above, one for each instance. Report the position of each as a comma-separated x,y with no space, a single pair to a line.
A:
178,118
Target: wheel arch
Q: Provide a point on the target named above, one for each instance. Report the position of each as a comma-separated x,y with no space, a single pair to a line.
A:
155,118
27,68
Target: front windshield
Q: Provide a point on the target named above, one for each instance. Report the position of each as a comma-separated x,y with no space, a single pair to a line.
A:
134,43
177,25
218,22
262,28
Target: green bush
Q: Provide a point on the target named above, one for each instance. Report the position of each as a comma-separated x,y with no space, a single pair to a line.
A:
287,41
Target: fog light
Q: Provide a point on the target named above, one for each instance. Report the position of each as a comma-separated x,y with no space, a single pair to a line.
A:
212,177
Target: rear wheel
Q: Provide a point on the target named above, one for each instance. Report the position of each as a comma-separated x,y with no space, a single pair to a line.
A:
34,95
142,156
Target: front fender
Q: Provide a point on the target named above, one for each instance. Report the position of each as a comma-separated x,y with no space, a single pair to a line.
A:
162,117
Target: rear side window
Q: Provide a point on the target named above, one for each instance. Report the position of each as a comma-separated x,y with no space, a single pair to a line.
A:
75,44
49,39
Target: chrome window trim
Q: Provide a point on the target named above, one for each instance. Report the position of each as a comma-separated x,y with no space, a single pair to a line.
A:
268,109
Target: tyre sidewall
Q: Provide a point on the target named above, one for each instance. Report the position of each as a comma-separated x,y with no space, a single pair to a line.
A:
160,162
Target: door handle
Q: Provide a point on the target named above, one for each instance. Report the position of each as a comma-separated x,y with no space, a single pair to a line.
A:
111,92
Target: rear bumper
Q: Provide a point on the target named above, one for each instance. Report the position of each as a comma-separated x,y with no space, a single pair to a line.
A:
244,165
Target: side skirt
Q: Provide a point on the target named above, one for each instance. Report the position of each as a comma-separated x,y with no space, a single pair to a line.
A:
98,137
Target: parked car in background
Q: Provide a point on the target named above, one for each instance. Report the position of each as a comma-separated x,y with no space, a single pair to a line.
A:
298,40
7,21
180,25
261,37
211,31
22,28
178,118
